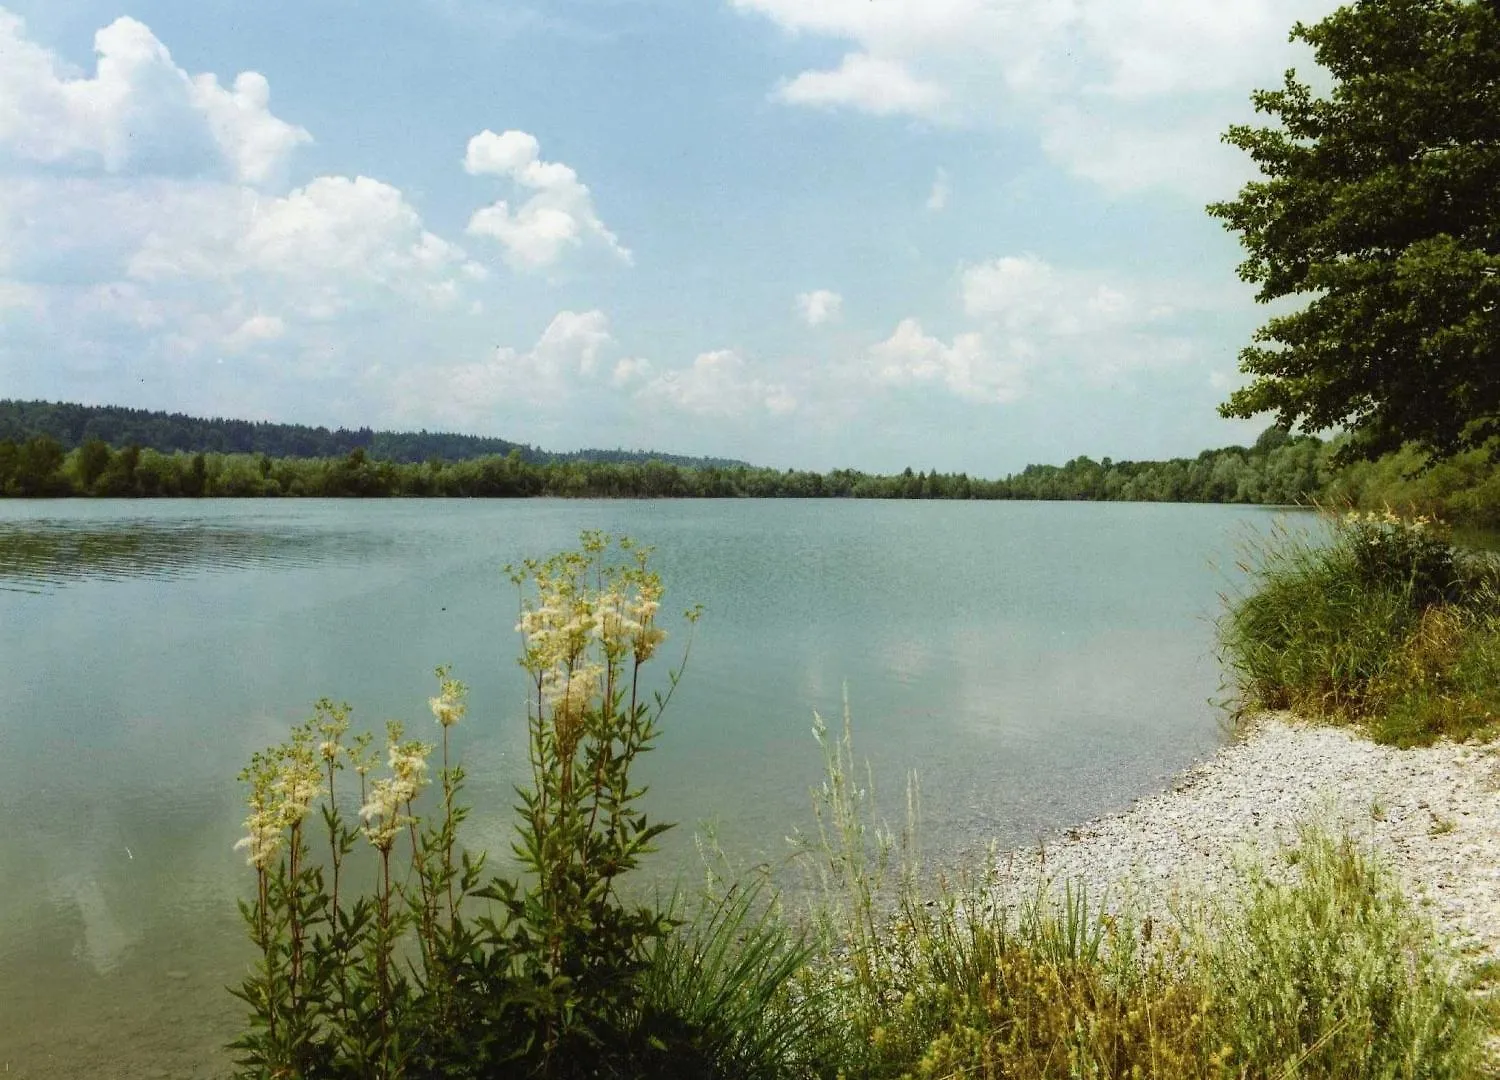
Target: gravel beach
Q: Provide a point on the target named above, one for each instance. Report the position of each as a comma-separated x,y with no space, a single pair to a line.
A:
1433,814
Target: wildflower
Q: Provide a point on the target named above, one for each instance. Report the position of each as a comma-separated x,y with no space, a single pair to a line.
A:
284,783
360,755
331,722
382,813
299,784
643,612
263,839
449,707
408,764
614,625
570,691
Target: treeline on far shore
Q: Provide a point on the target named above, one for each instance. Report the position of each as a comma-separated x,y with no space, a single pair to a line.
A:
1278,469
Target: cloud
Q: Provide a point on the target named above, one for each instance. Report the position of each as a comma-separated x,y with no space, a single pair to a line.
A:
819,307
139,113
1128,156
559,215
937,198
549,375
255,330
967,367
719,384
334,244
866,83
1092,327
19,296
1023,294
1036,326
572,343
631,369
1131,96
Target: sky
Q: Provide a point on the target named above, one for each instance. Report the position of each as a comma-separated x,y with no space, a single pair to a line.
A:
955,234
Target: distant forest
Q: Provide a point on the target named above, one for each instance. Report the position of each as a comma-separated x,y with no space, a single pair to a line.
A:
61,450
73,425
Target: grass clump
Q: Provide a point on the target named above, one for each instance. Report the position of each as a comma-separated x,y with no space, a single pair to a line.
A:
1315,968
1387,625
1330,972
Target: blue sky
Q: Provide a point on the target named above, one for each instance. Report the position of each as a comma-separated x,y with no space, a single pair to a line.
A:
961,234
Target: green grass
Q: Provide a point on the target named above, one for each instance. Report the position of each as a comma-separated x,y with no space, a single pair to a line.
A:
1384,624
1315,967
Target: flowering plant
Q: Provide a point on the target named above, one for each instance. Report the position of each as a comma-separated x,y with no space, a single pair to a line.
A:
421,977
1391,551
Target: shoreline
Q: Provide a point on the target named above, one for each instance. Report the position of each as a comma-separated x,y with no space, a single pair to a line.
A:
1432,814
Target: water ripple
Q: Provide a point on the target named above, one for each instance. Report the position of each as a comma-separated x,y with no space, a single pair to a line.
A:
39,556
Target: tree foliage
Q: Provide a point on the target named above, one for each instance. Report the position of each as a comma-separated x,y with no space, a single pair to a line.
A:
1275,470
76,425
1380,207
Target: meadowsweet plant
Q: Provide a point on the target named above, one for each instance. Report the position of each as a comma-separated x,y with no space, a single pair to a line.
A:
589,626
329,995
384,952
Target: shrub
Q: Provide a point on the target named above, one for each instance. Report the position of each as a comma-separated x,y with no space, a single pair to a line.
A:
1386,624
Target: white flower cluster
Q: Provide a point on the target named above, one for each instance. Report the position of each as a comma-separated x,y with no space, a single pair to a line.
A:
449,707
287,780
586,621
284,783
387,809
1388,518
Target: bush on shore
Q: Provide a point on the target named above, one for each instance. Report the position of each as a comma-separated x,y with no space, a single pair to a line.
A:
1384,623
386,951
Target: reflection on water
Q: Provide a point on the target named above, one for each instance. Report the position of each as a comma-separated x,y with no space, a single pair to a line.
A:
38,555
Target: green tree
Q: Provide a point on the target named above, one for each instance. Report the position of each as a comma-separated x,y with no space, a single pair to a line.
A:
93,459
1377,207
36,467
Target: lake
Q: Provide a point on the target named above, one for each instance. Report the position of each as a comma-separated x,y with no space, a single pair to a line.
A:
1036,664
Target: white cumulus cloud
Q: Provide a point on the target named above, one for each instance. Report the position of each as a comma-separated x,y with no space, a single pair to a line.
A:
720,384
870,84
968,366
1024,294
330,245
1079,321
819,306
631,369
138,113
254,331
470,395
557,216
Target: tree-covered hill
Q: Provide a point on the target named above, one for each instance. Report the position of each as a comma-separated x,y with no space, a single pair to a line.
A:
63,450
73,425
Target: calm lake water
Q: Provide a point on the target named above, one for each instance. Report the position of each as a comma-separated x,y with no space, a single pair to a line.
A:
1036,664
